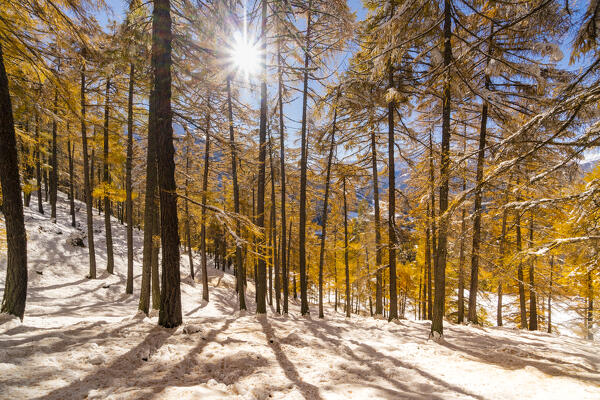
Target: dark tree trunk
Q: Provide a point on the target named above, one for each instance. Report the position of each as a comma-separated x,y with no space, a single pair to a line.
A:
203,210
38,164
346,255
170,295
188,233
533,324
15,287
110,265
289,250
86,183
590,307
433,259
128,167
54,162
303,169
239,263
261,288
70,150
150,210
550,294
392,241
520,278
461,252
284,262
325,212
378,255
155,251
274,232
437,326
335,280
501,266
474,286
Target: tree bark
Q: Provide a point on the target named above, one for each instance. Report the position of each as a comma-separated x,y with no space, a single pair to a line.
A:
170,295
533,324
346,255
378,255
38,164
437,325
392,242
325,212
128,167
205,295
188,233
70,150
274,232
54,161
86,183
284,262
110,265
15,287
550,295
520,278
261,288
501,265
303,169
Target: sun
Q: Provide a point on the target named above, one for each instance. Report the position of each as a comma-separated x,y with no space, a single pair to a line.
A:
245,55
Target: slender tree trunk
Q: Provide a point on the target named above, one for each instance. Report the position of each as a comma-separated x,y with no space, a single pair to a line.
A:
550,295
289,250
346,255
54,162
335,276
70,150
392,241
474,287
261,288
154,262
170,295
92,163
501,266
284,262
188,233
15,287
533,324
520,278
439,301
461,252
203,254
86,183
325,212
274,231
150,210
110,266
38,165
433,259
590,307
239,263
128,167
378,249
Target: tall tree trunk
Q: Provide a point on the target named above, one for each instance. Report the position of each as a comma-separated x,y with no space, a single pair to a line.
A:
128,166
590,307
433,259
501,266
274,232
38,163
461,252
533,324
284,262
188,233
346,261
86,183
335,280
324,219
550,294
170,295
154,262
110,265
54,162
303,169
392,241
70,150
474,286
203,254
261,288
289,260
520,278
150,209
437,325
378,255
15,287
239,263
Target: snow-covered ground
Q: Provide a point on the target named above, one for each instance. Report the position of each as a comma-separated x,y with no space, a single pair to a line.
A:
84,339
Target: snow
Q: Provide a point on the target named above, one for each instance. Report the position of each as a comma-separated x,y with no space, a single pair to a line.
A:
84,338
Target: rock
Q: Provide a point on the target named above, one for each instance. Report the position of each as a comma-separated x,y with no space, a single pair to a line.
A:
97,359
76,239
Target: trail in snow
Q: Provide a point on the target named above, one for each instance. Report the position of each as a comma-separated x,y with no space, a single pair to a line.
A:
84,339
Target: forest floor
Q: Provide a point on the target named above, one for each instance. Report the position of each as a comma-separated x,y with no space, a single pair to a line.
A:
83,338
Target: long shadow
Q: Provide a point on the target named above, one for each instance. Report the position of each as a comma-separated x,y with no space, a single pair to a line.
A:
103,378
309,391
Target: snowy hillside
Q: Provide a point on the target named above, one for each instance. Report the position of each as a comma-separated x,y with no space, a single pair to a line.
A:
83,338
